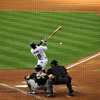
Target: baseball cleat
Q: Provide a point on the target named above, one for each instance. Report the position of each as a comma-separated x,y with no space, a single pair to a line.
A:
49,95
72,94
31,92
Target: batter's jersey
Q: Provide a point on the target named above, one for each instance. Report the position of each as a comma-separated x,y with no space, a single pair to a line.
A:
39,53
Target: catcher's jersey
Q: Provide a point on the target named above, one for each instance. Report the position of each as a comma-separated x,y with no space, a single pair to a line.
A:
39,80
39,53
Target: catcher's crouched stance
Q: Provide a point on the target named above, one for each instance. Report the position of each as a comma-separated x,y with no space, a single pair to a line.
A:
34,81
37,80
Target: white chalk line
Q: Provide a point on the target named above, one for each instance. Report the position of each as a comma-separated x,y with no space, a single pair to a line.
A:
66,87
19,90
83,61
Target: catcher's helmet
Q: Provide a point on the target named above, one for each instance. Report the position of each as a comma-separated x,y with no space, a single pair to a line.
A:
54,62
38,68
33,45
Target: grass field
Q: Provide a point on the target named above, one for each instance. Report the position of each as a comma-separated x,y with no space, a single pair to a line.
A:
80,36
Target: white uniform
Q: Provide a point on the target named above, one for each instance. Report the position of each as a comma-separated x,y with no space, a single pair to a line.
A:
39,53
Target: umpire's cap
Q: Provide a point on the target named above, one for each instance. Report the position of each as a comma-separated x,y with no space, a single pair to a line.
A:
38,68
54,62
33,45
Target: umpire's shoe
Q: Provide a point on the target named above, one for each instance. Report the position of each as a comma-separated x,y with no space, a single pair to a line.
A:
49,95
72,94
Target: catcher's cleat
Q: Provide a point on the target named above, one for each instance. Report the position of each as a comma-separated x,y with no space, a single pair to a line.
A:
31,92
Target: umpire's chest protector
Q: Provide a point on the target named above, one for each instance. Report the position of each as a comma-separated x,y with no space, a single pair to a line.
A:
59,71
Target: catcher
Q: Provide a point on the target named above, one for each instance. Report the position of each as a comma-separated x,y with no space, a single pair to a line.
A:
35,81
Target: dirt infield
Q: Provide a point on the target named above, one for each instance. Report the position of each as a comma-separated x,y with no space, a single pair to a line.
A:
86,82
86,75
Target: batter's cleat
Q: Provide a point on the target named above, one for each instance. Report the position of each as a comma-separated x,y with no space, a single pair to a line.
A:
72,94
31,92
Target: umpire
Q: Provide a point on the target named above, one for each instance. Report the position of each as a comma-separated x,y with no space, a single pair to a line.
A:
60,77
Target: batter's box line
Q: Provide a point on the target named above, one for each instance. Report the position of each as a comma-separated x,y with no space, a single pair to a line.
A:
19,90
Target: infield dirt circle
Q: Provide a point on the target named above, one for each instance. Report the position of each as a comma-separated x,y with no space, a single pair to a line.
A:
86,75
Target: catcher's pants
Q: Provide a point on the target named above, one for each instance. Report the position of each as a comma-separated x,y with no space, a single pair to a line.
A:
43,63
33,85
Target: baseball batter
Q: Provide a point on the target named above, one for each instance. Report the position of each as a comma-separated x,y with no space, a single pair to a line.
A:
39,52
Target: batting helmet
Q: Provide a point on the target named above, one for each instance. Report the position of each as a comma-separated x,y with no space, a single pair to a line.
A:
33,45
38,68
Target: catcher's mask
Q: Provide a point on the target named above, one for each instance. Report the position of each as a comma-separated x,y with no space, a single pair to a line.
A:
33,45
38,68
54,62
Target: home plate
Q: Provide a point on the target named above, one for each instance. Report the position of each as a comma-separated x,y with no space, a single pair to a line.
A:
24,86
24,82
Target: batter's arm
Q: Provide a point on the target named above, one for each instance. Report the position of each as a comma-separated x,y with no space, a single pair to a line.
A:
40,43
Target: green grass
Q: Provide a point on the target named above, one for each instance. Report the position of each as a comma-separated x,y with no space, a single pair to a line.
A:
80,36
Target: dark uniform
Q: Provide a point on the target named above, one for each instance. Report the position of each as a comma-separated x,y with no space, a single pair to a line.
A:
61,77
39,80
36,82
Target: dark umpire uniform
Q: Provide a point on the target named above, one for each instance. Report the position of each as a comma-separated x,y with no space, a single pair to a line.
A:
61,77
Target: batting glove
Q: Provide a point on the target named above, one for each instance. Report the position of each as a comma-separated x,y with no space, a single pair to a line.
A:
42,41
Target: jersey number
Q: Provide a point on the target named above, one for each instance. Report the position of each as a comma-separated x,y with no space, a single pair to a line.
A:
39,56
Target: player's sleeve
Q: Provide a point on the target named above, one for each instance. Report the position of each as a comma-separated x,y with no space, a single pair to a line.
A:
64,69
45,48
49,71
32,76
31,50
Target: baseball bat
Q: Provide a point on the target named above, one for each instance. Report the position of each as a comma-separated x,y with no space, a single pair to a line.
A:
54,32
